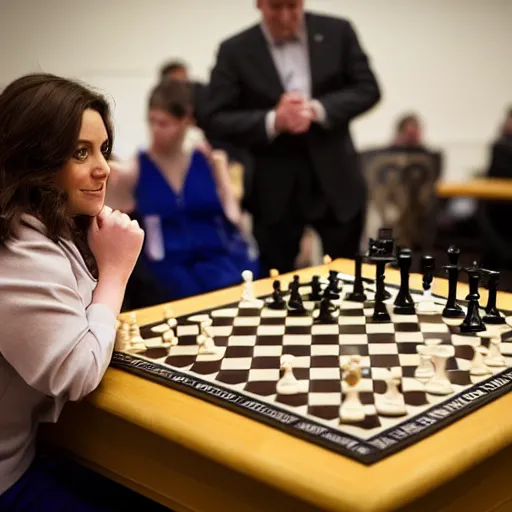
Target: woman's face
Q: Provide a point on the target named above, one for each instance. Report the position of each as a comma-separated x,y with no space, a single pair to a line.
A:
84,177
167,131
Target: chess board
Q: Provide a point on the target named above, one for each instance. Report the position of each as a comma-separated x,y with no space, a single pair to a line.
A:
244,375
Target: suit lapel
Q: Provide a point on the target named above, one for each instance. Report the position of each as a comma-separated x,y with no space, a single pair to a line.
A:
260,52
316,48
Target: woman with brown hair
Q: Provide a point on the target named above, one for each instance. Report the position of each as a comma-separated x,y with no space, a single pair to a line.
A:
64,263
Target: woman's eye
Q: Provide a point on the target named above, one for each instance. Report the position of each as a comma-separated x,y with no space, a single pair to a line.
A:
81,153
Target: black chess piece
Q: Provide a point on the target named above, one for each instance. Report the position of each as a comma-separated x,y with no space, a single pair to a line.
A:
451,308
428,265
358,294
325,314
295,302
453,255
381,252
492,315
332,291
316,289
404,305
295,283
277,297
472,322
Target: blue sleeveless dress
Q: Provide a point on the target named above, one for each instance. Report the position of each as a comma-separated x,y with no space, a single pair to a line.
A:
190,245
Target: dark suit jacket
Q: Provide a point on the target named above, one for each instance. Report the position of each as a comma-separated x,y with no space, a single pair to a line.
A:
245,85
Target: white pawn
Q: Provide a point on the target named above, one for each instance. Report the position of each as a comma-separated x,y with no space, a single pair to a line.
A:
392,402
478,367
351,409
440,384
494,358
287,384
205,339
137,344
248,290
123,343
425,369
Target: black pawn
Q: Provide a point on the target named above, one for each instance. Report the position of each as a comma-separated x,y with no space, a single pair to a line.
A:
404,305
316,289
492,315
325,315
380,312
358,294
428,264
472,322
277,297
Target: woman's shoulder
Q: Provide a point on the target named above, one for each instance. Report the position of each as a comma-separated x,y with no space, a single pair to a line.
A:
31,249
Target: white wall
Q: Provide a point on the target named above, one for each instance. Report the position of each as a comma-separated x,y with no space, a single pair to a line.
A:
447,59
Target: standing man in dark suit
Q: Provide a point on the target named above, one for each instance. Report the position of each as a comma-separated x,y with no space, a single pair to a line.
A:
287,89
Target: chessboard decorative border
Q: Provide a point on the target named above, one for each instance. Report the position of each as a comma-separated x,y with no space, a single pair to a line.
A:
368,451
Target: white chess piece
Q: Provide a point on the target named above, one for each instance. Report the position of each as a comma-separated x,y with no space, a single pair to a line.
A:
392,402
287,384
440,383
478,367
425,369
123,343
494,358
137,344
351,409
205,339
427,305
248,291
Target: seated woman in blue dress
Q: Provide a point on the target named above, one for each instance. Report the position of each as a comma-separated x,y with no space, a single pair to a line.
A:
194,242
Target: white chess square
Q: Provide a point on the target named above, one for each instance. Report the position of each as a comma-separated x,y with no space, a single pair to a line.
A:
404,319
325,350
412,384
301,362
268,350
351,320
409,359
299,320
382,348
383,373
434,328
325,329
271,330
247,320
353,339
460,340
242,341
325,374
297,339
225,313
187,330
368,312
408,337
273,313
351,305
384,328
364,385
271,374
184,350
324,399
222,330
236,363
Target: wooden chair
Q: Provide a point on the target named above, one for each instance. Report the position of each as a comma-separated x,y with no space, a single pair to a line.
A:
401,194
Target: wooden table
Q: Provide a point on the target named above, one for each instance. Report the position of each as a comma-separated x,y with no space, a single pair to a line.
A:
193,456
478,188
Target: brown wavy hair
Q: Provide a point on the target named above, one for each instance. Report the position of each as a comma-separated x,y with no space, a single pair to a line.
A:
40,122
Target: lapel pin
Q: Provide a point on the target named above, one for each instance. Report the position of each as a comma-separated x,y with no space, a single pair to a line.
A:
319,38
